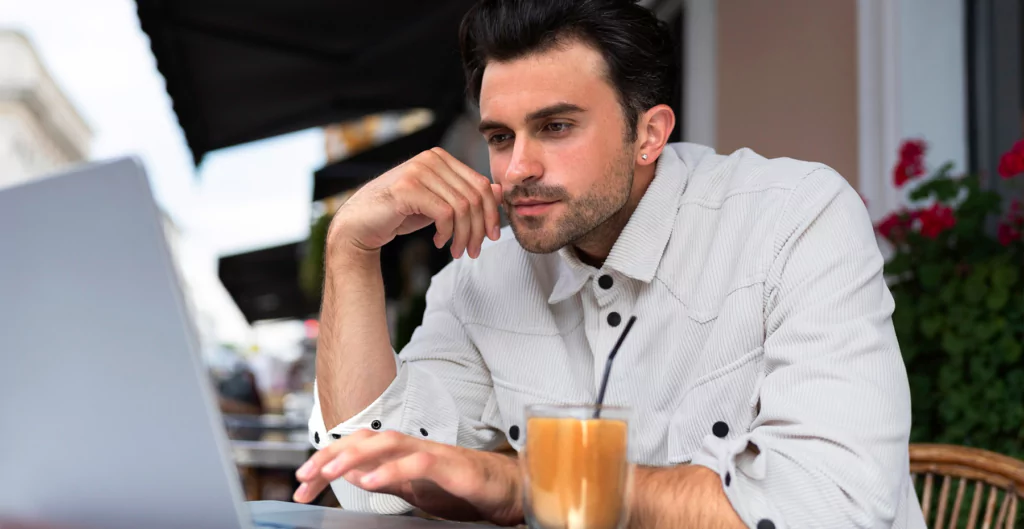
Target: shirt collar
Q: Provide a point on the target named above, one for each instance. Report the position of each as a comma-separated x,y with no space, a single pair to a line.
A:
639,248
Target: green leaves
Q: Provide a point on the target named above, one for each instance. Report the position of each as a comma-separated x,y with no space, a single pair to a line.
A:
931,275
931,325
959,317
940,186
1011,348
1004,274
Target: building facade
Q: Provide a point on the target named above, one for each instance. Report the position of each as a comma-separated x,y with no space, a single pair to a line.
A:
40,130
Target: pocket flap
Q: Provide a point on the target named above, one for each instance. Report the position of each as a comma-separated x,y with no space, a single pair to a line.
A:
723,403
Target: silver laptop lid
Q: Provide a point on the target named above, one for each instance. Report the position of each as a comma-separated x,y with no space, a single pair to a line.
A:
107,417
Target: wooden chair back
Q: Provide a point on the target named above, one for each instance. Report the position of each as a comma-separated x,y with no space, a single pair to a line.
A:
975,473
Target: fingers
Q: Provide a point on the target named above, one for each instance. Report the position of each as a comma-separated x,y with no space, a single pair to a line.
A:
482,186
310,474
309,490
368,454
419,465
456,471
496,190
470,205
310,470
435,181
418,199
391,462
447,191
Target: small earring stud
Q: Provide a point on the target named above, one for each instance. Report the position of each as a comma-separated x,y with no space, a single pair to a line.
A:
644,156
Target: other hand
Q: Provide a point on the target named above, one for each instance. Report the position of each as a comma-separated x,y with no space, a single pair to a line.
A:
447,481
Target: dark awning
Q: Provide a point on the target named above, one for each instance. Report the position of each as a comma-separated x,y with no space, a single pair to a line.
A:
265,283
355,170
243,70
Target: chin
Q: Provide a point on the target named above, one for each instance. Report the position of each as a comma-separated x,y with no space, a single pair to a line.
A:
536,240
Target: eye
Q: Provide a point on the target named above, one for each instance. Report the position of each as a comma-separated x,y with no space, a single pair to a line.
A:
498,139
558,127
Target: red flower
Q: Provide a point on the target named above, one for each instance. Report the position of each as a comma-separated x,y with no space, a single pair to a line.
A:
1010,228
895,226
1012,162
911,162
1007,233
936,220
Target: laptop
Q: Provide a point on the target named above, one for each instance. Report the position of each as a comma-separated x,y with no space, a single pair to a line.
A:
108,418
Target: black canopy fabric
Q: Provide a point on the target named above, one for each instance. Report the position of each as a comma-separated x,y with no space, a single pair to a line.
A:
243,70
353,171
265,283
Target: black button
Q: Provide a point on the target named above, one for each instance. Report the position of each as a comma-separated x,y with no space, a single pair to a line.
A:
513,432
720,429
316,437
728,479
765,524
605,281
423,432
375,425
614,319
336,435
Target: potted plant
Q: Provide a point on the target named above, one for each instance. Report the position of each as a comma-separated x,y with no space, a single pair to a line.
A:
957,276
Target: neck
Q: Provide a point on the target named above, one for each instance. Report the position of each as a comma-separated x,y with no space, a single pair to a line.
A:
594,247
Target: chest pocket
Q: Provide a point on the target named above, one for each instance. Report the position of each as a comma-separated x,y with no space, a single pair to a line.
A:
506,410
723,403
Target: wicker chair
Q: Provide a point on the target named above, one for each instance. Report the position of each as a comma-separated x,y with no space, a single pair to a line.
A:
971,468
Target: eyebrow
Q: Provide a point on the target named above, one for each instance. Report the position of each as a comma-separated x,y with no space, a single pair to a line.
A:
544,113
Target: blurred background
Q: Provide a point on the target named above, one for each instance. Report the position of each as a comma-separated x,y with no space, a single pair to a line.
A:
257,119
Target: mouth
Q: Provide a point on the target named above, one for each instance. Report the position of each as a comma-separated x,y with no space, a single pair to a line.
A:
532,207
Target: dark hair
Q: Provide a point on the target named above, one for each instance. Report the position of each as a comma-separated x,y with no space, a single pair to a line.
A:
636,46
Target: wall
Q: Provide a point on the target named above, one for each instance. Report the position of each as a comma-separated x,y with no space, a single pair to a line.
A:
933,78
787,80
26,151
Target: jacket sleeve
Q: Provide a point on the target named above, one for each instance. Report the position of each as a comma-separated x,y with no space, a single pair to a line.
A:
829,445
439,393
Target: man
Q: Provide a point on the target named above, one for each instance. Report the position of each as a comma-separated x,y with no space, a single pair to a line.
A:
763,369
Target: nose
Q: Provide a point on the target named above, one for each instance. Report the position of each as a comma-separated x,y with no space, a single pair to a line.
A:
524,164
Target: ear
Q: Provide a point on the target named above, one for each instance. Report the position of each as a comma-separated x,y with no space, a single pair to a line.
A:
653,130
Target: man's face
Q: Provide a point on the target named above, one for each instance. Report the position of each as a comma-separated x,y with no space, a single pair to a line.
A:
557,140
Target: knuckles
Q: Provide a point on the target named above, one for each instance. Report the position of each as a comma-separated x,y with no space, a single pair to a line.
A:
422,462
391,437
462,206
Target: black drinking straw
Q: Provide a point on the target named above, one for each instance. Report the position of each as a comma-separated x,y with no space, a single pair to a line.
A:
608,367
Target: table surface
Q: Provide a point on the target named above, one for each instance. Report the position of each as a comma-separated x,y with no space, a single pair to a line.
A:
282,515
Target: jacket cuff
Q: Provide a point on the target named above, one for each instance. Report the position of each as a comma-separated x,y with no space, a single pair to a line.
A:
740,465
353,498
386,410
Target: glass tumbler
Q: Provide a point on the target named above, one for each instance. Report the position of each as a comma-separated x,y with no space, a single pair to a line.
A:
576,471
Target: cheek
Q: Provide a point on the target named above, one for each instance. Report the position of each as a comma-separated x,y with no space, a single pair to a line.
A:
499,166
578,168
